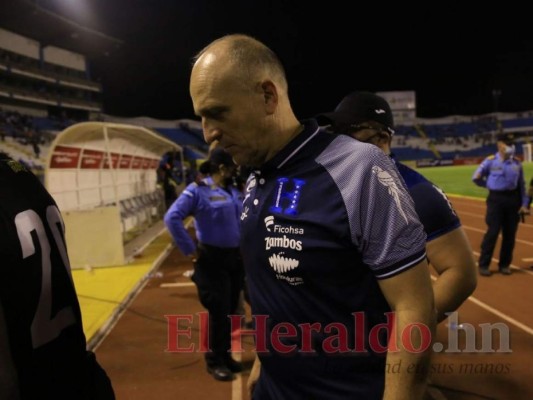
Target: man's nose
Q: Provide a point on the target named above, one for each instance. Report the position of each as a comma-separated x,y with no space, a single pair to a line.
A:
211,133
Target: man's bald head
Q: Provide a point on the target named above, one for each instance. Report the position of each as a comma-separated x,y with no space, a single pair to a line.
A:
240,58
239,89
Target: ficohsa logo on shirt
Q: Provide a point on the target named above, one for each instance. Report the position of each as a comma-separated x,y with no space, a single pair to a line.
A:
271,227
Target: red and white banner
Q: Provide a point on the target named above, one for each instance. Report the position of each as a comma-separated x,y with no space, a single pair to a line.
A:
114,160
65,157
137,162
69,157
125,161
91,159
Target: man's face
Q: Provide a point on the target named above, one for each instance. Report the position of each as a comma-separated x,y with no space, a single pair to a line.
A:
232,112
505,150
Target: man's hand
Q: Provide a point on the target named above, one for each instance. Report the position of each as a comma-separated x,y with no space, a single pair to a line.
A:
523,212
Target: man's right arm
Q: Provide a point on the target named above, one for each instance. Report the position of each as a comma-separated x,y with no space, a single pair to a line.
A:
176,214
410,296
479,177
8,373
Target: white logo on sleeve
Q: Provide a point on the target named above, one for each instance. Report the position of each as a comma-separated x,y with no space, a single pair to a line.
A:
438,189
387,180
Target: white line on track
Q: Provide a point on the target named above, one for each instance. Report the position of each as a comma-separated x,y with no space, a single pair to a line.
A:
513,321
526,224
512,265
176,284
498,313
471,228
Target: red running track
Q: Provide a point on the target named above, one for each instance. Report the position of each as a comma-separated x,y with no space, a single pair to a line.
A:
135,358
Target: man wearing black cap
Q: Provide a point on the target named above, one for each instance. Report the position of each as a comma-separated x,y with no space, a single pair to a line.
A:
368,118
502,174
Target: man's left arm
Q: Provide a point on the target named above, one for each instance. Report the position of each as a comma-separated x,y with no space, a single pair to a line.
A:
447,248
410,296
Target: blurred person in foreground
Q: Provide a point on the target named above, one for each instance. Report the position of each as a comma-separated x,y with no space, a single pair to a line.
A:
216,204
326,239
42,345
368,118
502,174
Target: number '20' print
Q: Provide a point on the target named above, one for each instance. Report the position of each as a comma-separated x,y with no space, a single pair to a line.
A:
44,328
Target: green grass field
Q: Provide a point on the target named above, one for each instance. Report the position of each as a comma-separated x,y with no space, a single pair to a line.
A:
458,179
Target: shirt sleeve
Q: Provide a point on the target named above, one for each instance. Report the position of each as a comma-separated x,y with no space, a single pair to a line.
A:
391,237
482,171
183,207
382,219
434,210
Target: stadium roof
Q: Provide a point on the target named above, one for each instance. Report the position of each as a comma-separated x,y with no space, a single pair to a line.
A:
27,18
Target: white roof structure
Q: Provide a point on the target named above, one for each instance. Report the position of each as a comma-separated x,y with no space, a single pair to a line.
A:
92,164
84,132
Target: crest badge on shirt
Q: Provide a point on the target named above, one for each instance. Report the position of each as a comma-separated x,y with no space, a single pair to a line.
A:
287,196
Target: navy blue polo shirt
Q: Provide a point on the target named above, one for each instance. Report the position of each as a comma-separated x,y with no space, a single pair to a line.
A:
431,203
322,222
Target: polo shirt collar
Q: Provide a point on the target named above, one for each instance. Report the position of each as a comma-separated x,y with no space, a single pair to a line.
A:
293,148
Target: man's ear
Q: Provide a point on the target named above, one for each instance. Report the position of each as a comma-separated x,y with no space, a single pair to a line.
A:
270,94
385,137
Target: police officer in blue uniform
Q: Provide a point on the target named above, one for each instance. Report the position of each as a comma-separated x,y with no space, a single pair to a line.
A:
216,205
502,174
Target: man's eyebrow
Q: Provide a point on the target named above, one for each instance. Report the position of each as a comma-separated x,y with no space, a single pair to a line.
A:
211,111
